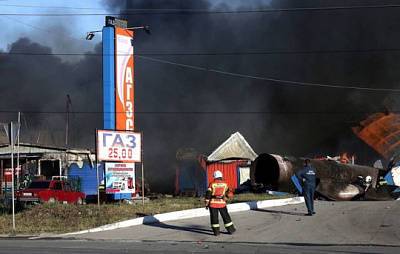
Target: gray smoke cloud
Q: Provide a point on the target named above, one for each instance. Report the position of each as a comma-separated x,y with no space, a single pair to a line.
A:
313,121
183,107
38,85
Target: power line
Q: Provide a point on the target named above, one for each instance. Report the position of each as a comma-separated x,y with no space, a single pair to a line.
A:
268,52
129,12
273,80
50,7
26,24
37,28
220,53
201,112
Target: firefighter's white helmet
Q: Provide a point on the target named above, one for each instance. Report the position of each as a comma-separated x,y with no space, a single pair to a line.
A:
368,179
217,174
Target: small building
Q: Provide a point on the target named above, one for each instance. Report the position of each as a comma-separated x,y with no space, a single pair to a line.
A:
233,158
44,162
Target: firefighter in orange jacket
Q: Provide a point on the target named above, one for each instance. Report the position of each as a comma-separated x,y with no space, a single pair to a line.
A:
216,196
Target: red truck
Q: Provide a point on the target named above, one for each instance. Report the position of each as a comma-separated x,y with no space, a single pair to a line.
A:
40,191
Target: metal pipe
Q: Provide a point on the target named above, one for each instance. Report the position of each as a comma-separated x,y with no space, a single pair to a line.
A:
97,174
141,141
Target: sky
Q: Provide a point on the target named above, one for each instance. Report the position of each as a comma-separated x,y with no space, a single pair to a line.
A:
36,27
39,29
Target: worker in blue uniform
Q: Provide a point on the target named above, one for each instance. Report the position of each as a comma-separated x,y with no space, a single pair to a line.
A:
307,177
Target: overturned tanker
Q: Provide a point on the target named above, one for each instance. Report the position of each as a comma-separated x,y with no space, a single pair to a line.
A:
335,181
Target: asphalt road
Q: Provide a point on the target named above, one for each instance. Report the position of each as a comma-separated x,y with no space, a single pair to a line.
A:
336,223
17,246
338,227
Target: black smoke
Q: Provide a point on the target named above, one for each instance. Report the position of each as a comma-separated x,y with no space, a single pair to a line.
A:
184,107
272,116
36,83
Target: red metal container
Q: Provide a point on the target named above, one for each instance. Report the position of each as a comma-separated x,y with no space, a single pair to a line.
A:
229,171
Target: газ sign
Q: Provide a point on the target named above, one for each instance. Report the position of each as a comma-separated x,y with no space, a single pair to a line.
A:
124,80
119,146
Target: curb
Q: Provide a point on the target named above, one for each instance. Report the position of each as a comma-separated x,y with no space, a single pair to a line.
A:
187,214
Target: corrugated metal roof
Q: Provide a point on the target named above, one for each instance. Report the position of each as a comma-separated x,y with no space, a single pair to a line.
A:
28,149
32,150
381,132
235,146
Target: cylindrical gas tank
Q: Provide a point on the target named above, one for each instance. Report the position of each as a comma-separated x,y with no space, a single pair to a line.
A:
335,179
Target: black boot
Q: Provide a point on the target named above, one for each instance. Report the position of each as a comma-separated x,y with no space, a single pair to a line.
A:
216,231
231,229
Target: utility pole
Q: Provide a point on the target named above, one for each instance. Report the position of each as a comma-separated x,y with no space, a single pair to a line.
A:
12,175
19,171
68,104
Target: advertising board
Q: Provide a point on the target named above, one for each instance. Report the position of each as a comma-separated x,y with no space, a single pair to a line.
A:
124,79
119,177
119,146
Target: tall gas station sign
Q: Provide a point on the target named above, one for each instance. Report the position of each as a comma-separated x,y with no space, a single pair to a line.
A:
118,76
117,145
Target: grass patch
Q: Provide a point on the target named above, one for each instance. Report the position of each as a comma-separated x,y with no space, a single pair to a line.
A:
61,218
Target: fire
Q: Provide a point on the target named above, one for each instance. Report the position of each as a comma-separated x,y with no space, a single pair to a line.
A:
344,158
